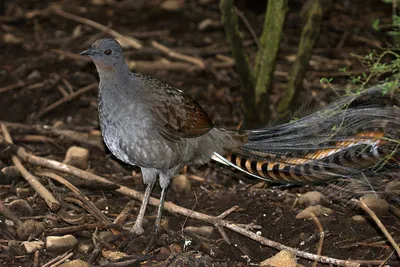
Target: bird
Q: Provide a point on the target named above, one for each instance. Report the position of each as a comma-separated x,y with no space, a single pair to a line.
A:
150,124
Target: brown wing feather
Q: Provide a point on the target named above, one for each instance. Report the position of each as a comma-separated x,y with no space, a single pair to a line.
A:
177,114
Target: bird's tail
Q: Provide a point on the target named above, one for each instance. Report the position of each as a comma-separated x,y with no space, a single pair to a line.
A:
359,132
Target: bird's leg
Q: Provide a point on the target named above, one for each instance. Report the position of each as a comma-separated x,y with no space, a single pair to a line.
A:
158,220
137,228
160,210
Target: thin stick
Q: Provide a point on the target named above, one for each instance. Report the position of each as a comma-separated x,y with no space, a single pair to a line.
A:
69,255
13,86
91,207
50,200
66,99
179,56
126,211
55,259
321,235
378,222
134,43
248,26
74,228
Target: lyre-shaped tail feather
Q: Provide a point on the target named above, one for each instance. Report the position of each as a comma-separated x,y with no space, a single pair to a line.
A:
356,133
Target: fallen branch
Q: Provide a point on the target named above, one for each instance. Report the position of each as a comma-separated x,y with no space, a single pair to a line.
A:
124,40
48,197
173,54
81,137
175,209
91,208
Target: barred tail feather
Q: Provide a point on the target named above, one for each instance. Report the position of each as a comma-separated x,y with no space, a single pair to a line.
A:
354,134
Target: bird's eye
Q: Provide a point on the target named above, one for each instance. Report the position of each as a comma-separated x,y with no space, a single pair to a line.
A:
107,52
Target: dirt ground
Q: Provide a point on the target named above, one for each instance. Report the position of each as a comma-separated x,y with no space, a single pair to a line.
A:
40,65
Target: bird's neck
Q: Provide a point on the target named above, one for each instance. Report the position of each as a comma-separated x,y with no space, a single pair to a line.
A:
114,75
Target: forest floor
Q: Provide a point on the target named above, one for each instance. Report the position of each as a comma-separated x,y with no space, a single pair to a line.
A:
40,65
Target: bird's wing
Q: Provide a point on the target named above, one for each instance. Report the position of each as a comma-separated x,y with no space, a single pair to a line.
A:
176,114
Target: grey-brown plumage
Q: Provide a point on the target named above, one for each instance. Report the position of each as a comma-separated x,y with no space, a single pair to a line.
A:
159,128
151,124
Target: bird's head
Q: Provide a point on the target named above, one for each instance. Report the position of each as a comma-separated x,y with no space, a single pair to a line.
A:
106,54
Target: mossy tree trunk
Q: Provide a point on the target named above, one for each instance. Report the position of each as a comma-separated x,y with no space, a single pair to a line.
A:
266,56
308,39
256,82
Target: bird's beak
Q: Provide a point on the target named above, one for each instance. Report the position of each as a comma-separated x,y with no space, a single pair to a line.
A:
88,52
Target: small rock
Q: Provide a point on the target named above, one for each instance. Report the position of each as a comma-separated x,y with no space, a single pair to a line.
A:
282,259
11,171
205,231
22,192
30,228
102,204
85,246
59,125
359,219
379,206
393,187
318,210
21,207
60,244
312,198
75,263
78,157
208,23
105,236
113,255
181,184
15,248
10,38
33,246
172,5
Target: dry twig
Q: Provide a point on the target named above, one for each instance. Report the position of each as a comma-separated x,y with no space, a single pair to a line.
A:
73,228
81,137
126,211
91,208
123,39
66,99
50,200
173,54
321,235
56,259
378,222
69,255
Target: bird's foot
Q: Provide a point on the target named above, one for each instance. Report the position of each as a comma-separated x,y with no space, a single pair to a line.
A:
137,230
